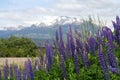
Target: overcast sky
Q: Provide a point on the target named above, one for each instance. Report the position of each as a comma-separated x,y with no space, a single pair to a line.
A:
25,12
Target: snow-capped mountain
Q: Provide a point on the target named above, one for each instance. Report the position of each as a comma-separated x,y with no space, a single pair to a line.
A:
62,20
58,20
48,21
46,30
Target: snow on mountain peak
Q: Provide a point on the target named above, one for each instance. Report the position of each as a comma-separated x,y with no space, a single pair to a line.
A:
67,20
47,21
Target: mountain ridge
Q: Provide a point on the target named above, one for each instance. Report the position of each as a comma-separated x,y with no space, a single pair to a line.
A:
60,20
38,32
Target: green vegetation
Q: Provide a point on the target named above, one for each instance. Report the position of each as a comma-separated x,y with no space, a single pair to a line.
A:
97,58
18,47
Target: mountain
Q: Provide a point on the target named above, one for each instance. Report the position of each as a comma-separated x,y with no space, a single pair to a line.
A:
44,31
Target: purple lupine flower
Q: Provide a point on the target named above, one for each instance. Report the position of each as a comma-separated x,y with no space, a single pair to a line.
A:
6,70
63,66
99,38
118,21
85,59
114,70
24,76
72,47
87,47
5,73
105,29
17,73
67,47
25,73
61,50
30,70
101,33
67,52
115,25
11,71
110,36
102,60
80,53
79,44
71,41
103,64
68,41
111,57
62,44
117,29
117,36
76,62
92,45
49,55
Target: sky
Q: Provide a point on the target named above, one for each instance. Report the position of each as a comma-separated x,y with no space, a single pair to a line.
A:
26,12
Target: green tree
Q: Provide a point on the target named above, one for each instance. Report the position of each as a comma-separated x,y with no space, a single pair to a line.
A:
18,47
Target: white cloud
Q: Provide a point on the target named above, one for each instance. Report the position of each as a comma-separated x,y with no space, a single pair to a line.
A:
87,6
105,9
25,17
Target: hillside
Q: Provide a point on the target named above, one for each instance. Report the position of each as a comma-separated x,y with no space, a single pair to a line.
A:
44,32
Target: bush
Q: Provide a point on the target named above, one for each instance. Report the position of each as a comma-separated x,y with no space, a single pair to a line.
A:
18,47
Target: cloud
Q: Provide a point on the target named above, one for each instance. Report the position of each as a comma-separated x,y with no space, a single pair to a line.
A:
107,10
25,17
86,7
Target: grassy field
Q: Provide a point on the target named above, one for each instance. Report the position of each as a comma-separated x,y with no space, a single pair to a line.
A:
14,60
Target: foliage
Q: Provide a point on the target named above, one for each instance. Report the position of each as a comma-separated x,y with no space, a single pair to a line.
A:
97,58
18,47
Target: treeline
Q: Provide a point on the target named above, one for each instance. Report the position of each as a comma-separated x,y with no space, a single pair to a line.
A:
18,47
